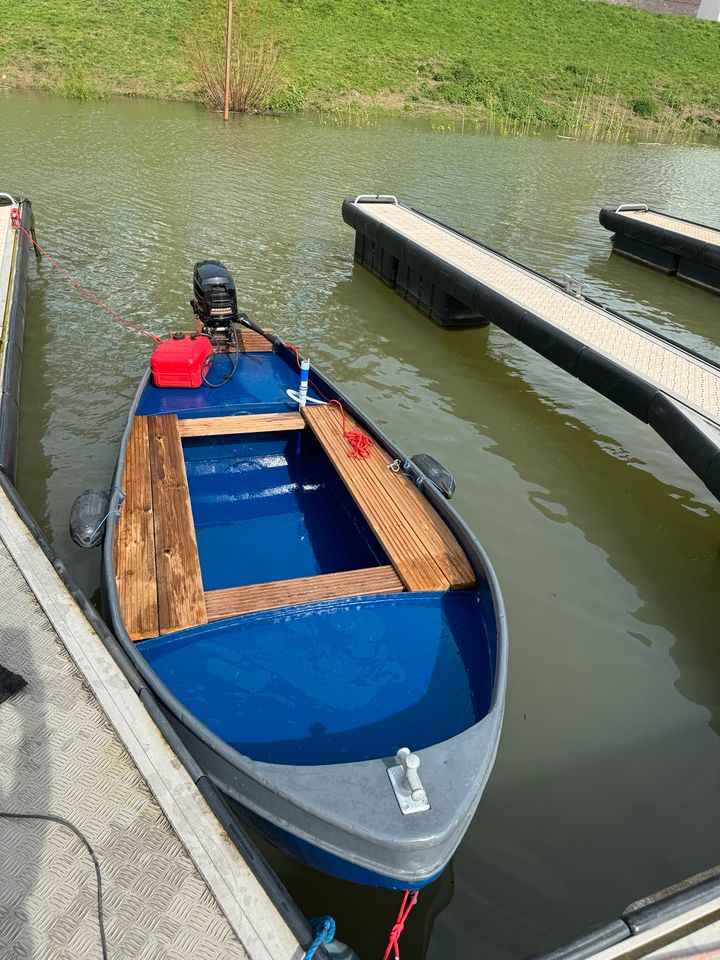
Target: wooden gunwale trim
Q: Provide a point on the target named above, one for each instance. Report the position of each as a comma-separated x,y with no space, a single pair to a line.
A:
236,601
247,423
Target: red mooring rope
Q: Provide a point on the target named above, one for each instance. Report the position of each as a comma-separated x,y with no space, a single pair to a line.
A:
399,924
359,442
15,222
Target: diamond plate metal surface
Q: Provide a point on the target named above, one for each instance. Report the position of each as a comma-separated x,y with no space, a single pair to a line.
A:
689,380
60,755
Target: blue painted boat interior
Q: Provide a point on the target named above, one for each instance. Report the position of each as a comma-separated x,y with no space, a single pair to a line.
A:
259,386
336,681
271,506
328,682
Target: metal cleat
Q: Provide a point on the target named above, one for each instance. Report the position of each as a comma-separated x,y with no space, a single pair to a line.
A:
409,791
574,287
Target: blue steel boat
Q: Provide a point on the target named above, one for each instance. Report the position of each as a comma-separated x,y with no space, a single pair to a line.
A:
306,617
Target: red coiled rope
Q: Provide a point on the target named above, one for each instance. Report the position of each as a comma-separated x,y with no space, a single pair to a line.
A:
399,924
15,222
359,442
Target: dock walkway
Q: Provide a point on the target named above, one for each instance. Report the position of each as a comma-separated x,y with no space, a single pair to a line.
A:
662,383
78,744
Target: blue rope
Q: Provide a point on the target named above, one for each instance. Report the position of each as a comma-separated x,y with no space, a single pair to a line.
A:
115,511
324,931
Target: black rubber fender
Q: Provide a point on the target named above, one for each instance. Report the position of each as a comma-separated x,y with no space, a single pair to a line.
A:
618,384
555,345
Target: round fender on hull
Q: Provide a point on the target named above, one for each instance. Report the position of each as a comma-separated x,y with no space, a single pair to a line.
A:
87,518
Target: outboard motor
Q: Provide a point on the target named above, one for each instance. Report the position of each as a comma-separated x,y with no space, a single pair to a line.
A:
215,301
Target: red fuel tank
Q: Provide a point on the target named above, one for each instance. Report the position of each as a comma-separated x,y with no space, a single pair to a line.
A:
179,361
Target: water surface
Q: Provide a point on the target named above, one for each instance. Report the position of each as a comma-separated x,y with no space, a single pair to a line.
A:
606,545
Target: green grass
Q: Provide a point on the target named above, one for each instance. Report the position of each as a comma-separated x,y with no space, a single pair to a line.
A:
585,68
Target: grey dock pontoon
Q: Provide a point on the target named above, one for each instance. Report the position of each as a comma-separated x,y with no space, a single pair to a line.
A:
460,282
690,251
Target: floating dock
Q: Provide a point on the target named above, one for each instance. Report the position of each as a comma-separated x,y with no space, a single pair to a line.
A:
690,251
79,745
460,282
681,922
14,248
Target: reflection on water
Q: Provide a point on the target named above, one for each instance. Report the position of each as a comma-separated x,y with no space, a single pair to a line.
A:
606,545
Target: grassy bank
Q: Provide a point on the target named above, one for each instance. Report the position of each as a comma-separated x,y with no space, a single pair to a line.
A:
586,69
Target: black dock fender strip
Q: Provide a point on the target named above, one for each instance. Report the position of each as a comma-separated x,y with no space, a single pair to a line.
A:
638,919
710,257
257,863
682,435
588,943
12,367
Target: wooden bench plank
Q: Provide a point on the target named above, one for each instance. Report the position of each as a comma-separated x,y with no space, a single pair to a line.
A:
384,513
235,601
249,423
181,599
134,546
419,544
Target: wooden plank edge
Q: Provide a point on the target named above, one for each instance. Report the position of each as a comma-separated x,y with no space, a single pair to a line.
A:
137,447
219,602
229,426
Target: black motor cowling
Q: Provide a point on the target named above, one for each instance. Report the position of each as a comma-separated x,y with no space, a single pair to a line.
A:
215,300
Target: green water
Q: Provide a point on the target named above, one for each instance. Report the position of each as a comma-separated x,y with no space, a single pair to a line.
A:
606,545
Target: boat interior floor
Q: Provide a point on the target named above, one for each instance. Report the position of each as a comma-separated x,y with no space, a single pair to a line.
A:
241,513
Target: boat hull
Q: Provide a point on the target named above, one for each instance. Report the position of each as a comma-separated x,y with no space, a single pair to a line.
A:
342,816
